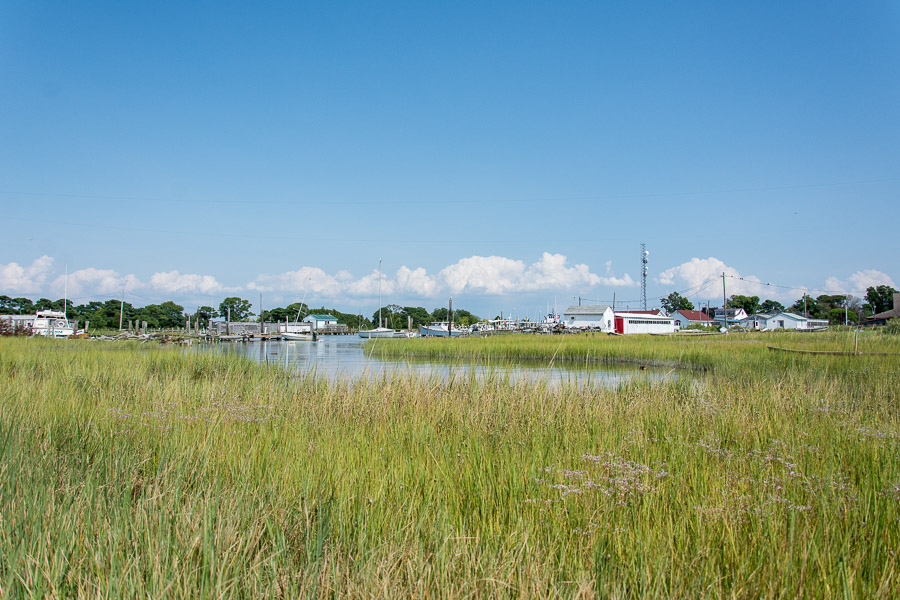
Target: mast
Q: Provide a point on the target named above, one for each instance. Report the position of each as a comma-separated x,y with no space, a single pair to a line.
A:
380,275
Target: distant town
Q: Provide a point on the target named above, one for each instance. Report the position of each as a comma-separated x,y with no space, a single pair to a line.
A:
675,312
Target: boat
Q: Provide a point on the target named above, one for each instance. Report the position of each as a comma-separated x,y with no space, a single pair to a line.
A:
297,337
52,323
380,331
439,329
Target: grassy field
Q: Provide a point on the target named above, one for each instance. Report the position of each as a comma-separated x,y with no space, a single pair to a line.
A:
133,470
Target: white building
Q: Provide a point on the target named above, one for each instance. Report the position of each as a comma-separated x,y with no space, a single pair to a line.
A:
320,321
787,320
735,315
597,316
629,323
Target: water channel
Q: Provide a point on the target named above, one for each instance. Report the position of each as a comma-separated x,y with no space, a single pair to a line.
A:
343,357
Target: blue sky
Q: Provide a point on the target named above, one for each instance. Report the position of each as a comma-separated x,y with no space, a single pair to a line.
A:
508,154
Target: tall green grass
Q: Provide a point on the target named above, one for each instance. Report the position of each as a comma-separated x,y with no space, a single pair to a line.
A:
138,471
697,352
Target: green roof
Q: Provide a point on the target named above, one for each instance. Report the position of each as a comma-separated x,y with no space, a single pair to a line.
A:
323,317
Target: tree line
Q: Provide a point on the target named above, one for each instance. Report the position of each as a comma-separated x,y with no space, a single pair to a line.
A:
168,315
833,307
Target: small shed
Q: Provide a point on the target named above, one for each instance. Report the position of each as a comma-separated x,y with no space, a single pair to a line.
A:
320,321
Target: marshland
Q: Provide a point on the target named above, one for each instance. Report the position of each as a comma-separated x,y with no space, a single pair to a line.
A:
135,470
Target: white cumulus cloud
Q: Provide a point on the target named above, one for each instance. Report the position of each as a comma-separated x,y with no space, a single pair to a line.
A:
500,275
173,282
17,279
305,279
697,277
486,274
416,282
94,281
857,283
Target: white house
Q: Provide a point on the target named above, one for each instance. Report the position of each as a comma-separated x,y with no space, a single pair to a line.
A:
628,323
597,316
320,321
683,318
735,315
787,320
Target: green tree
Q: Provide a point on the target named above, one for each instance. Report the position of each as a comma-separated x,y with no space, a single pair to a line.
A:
420,316
771,307
240,308
806,305
750,304
206,314
880,298
676,301
836,316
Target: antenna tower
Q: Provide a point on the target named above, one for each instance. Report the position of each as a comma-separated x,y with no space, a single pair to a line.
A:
644,260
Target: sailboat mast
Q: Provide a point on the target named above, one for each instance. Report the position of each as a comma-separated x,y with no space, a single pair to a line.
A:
380,275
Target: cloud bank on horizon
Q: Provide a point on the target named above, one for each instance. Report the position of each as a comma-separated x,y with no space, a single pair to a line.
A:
473,275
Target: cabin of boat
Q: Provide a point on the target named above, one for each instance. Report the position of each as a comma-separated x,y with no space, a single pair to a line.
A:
52,323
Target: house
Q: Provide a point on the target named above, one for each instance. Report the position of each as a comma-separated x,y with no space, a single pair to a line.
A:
597,316
758,321
789,320
734,316
320,322
684,318
629,322
882,317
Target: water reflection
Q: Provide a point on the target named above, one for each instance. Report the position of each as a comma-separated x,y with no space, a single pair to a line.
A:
342,357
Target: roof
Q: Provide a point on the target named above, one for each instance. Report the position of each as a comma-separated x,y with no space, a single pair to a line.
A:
643,315
888,314
593,309
322,317
654,311
694,315
791,315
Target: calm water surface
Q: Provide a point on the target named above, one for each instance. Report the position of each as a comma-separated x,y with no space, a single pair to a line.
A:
342,357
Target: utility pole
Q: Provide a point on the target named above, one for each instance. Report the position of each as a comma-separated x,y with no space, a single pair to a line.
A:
450,319
724,302
644,261
121,309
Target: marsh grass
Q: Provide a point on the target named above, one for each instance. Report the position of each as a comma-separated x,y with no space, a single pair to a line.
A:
139,471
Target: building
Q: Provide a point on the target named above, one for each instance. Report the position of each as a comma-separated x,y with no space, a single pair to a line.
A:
628,323
320,322
882,317
788,320
684,318
758,321
597,316
735,315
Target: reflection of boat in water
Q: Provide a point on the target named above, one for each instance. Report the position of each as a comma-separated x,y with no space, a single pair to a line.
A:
439,329
51,323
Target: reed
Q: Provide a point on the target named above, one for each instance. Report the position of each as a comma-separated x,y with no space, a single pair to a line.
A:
132,470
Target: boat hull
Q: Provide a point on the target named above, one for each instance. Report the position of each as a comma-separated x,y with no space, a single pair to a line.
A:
378,332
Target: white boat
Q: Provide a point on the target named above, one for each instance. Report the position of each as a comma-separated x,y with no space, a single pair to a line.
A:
52,323
439,329
297,337
380,331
